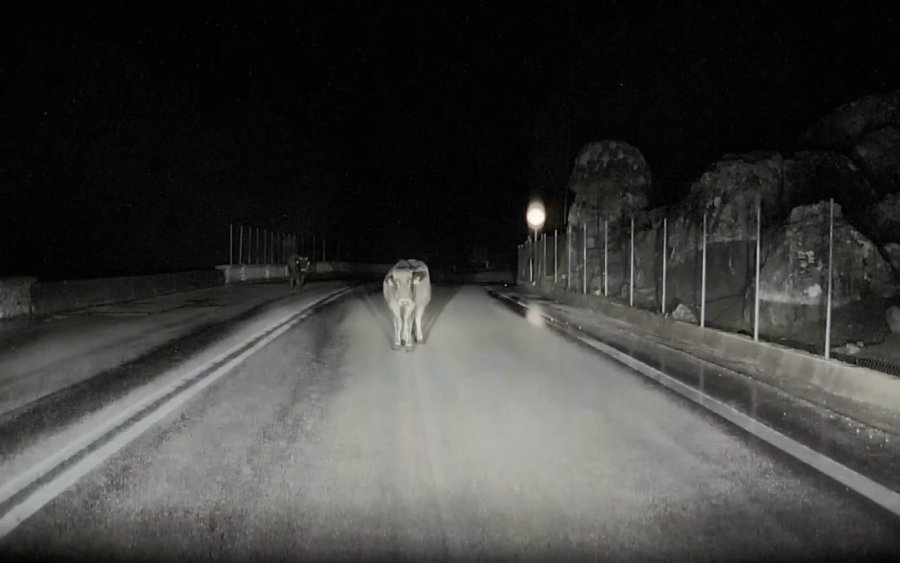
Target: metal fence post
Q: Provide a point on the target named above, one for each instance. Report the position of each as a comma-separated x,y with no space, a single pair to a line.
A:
555,256
631,275
241,245
703,278
606,258
665,251
544,260
568,257
530,259
756,289
830,260
584,263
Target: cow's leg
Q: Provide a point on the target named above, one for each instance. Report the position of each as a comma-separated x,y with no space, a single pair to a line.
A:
397,320
408,316
420,334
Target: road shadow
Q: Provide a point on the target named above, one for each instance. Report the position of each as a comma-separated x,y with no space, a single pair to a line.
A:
441,295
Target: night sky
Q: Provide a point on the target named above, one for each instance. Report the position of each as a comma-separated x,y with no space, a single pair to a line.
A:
133,133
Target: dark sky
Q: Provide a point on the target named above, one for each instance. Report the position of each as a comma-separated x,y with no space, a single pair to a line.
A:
134,132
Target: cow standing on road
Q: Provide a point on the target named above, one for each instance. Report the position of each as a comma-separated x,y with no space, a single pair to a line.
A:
407,291
298,268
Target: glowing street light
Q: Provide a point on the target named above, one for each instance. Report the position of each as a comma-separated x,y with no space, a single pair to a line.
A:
535,216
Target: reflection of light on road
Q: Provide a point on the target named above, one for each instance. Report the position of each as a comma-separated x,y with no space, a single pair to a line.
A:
534,316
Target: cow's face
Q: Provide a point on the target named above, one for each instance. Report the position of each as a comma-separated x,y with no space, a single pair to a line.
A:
402,281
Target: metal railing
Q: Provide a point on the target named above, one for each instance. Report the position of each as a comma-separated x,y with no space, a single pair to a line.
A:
665,265
248,244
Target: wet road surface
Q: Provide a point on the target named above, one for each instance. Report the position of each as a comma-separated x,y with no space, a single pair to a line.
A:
499,439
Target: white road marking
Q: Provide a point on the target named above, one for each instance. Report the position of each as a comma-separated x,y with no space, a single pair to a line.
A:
47,492
875,492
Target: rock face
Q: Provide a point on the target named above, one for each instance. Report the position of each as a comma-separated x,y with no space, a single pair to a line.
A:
684,313
794,279
610,178
868,131
844,127
892,315
884,219
813,176
891,252
611,181
878,153
849,156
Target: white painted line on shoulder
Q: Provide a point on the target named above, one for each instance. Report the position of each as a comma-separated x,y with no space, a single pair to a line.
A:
853,480
47,492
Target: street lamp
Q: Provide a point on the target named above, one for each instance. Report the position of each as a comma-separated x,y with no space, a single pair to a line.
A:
535,216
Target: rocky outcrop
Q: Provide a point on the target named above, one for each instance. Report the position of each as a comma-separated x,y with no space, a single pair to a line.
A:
843,128
684,313
611,180
892,316
884,219
814,176
878,153
868,131
852,155
793,279
891,252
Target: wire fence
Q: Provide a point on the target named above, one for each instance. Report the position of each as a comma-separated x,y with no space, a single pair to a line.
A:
248,244
810,281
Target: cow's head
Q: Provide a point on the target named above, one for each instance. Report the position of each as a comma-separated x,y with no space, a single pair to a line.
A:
401,281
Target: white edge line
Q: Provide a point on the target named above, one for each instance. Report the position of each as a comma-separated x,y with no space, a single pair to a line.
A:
875,492
12,487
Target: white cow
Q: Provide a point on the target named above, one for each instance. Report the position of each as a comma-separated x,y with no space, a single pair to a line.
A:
407,291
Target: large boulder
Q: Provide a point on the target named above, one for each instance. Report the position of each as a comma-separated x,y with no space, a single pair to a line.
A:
891,252
793,280
878,153
892,316
843,128
813,176
727,191
884,220
868,131
611,180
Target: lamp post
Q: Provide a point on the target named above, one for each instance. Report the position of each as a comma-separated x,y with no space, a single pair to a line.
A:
535,217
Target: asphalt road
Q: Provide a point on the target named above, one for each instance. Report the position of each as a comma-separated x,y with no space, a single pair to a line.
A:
498,439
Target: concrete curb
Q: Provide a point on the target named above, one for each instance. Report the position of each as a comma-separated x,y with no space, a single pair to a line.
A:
831,376
857,482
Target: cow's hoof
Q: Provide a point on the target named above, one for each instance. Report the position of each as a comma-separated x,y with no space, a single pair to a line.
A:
410,348
395,347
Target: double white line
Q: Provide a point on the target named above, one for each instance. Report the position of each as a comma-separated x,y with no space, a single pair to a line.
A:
26,494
